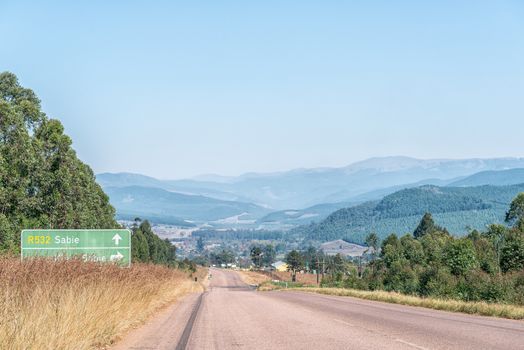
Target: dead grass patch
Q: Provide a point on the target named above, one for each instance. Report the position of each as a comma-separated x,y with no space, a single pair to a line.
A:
253,277
478,308
77,305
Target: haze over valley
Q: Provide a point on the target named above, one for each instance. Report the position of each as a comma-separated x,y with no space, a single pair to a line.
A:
287,200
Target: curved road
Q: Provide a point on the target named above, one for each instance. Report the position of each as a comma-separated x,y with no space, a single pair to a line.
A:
231,315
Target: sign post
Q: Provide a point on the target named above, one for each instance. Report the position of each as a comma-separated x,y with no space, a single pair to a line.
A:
90,245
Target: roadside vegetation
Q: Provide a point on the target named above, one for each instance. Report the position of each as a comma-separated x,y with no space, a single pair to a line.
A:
482,273
73,304
77,305
478,308
43,184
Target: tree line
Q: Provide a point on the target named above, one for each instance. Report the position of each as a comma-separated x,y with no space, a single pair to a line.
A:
44,185
147,247
458,209
482,266
42,182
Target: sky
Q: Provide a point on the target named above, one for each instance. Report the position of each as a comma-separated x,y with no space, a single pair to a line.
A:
173,89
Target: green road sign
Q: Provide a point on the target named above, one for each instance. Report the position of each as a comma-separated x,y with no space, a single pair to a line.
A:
90,245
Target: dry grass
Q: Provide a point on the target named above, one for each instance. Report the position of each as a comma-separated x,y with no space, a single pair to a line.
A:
253,277
479,308
77,305
305,278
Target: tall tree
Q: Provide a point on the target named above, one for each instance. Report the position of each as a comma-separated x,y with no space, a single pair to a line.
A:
42,182
256,256
512,254
372,242
139,246
516,212
295,263
269,255
497,235
426,225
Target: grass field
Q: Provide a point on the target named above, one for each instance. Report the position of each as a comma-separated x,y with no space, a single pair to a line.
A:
77,305
478,308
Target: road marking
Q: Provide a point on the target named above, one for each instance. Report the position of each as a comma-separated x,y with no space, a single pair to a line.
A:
411,344
343,322
184,338
116,238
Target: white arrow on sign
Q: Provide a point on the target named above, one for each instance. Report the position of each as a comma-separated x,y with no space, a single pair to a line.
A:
116,238
116,257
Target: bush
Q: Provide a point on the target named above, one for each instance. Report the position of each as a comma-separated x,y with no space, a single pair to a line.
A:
437,282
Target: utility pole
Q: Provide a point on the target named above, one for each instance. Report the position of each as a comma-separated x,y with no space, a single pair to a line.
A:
323,265
318,272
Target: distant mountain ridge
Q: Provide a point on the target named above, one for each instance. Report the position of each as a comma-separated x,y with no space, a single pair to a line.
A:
499,177
175,208
303,188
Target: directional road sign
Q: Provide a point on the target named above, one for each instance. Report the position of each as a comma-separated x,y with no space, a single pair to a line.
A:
90,245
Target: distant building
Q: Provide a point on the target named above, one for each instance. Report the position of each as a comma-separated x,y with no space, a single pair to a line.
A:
279,266
343,248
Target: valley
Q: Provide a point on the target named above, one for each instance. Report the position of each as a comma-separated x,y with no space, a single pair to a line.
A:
468,195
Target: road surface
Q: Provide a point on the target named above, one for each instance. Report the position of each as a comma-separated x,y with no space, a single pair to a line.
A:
231,315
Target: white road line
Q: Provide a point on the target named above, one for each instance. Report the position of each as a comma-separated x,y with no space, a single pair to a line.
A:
411,344
343,322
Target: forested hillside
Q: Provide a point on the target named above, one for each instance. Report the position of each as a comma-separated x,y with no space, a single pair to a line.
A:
42,182
457,209
498,178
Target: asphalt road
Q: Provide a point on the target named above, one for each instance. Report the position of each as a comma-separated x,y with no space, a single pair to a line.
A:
231,315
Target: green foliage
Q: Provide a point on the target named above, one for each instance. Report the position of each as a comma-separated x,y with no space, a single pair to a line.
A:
139,246
460,256
146,246
295,263
42,182
483,266
372,242
412,249
516,211
459,209
269,255
239,234
225,256
426,225
437,281
256,256
512,253
486,253
311,258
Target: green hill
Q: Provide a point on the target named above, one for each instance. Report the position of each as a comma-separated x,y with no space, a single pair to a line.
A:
497,178
459,209
173,208
315,213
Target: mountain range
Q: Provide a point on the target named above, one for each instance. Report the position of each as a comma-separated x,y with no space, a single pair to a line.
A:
458,209
298,196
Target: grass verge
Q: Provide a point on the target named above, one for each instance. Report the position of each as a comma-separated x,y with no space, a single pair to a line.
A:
253,278
515,312
77,305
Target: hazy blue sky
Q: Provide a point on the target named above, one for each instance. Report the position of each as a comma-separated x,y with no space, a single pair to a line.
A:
179,88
